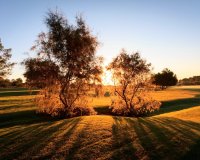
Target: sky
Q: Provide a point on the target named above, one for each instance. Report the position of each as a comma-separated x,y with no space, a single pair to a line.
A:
165,32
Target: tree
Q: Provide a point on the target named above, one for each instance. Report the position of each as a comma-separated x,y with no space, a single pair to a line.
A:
165,79
131,74
4,83
65,66
195,80
40,73
5,65
17,82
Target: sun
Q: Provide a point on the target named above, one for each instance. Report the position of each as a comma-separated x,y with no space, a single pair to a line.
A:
107,78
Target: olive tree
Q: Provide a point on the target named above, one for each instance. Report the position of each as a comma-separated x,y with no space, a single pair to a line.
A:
65,66
131,76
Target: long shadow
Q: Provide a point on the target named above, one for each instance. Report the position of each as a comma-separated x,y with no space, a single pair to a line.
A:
167,138
35,141
17,93
144,138
194,153
67,126
91,142
13,89
176,105
14,106
192,89
122,141
22,118
62,141
76,146
15,101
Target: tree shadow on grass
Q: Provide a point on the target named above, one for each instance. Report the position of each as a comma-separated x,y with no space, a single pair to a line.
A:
194,153
15,106
103,110
17,93
176,105
26,117
165,138
122,140
36,141
93,141
13,89
192,89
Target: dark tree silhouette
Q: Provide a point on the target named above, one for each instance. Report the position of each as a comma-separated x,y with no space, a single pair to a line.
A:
17,82
11,83
5,65
165,79
4,83
131,74
65,67
40,73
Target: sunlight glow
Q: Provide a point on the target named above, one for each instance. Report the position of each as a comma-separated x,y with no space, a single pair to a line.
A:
107,78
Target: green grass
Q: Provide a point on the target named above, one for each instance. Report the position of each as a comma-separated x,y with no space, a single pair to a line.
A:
171,133
17,93
12,89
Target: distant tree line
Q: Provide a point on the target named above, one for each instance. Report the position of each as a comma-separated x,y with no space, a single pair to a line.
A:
5,69
195,80
5,83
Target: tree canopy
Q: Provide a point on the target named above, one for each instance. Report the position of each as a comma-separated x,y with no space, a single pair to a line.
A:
4,83
132,78
65,65
5,65
165,78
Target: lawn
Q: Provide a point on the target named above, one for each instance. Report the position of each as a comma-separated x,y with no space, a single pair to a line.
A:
171,133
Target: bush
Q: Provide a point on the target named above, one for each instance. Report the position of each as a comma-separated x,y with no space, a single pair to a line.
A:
140,107
81,110
49,103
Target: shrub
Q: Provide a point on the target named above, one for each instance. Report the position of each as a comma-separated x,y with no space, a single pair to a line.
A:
49,103
132,77
139,107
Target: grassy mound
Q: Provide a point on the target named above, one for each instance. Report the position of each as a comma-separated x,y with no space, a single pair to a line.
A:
175,134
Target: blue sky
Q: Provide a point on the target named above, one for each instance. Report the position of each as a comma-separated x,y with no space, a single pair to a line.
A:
165,32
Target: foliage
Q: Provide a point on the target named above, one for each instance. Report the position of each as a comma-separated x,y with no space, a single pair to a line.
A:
49,103
141,106
165,78
11,83
4,82
131,74
5,65
17,82
65,59
107,94
98,90
40,72
195,80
